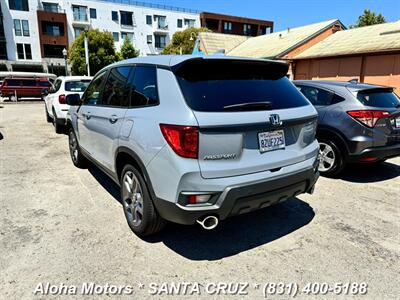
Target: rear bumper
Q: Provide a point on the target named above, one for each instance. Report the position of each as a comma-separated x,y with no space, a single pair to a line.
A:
376,152
238,199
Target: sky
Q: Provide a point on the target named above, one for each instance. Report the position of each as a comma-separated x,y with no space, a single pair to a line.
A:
292,13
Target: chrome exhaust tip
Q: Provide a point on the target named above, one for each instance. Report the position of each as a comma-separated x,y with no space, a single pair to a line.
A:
209,222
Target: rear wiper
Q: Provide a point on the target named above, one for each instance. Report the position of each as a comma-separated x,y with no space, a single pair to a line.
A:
249,106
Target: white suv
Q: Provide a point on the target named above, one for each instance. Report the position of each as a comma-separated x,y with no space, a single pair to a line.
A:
192,138
55,105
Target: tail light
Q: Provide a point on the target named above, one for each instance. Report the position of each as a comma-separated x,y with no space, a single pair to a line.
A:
61,99
184,140
368,117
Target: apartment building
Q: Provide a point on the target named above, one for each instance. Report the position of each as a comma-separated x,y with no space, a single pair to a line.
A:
36,31
227,24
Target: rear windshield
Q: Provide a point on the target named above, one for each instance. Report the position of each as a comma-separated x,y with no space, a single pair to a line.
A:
214,85
378,98
76,86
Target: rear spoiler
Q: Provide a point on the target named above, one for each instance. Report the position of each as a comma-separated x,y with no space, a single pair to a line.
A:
214,68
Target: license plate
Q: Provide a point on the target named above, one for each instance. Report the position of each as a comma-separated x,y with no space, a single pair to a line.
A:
271,140
397,122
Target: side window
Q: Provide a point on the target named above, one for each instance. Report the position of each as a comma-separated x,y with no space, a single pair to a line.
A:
115,90
143,84
317,96
92,93
57,85
337,99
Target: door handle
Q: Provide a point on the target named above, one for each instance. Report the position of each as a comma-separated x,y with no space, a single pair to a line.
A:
113,119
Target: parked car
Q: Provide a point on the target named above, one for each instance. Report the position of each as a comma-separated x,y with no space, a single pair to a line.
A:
15,88
55,106
357,123
195,139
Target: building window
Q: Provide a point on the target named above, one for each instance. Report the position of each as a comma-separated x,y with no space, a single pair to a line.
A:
161,22
93,13
28,51
18,5
116,36
20,51
3,51
51,7
25,27
246,29
160,41
17,27
52,28
79,13
149,20
114,16
227,27
128,35
189,23
179,24
77,31
150,39
126,18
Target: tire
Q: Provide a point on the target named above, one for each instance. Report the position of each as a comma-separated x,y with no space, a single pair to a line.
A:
139,210
48,118
57,127
77,157
331,158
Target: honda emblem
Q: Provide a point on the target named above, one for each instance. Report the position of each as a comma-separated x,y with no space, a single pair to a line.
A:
275,120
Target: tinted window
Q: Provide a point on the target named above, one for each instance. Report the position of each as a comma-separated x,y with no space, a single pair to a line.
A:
378,98
92,93
317,96
13,82
211,85
44,83
76,86
115,91
28,82
143,85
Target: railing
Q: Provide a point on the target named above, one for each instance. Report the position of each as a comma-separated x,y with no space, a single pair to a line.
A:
153,5
52,9
81,17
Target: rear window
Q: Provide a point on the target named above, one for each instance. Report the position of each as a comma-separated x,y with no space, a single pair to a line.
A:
76,86
378,98
214,85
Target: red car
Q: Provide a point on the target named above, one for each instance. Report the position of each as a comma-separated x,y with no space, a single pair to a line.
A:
24,87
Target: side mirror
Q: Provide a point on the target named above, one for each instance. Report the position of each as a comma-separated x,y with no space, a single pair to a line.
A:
73,99
45,92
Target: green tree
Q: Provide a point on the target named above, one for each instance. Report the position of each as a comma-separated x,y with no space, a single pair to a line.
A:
183,41
369,18
101,52
128,50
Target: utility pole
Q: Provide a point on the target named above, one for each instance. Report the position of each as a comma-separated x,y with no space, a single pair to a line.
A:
87,53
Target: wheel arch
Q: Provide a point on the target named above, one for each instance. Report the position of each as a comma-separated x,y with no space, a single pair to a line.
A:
332,134
124,156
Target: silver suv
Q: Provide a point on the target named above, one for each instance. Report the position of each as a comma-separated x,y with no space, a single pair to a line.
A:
195,138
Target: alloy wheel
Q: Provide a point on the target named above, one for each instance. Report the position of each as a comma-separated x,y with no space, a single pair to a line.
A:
132,198
73,146
326,157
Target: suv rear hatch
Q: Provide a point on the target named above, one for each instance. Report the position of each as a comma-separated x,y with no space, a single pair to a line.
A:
384,106
251,117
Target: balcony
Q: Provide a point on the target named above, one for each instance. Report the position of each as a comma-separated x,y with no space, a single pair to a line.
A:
50,7
80,16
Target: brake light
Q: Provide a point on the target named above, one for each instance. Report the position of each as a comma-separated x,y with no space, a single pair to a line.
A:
61,99
184,140
368,117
